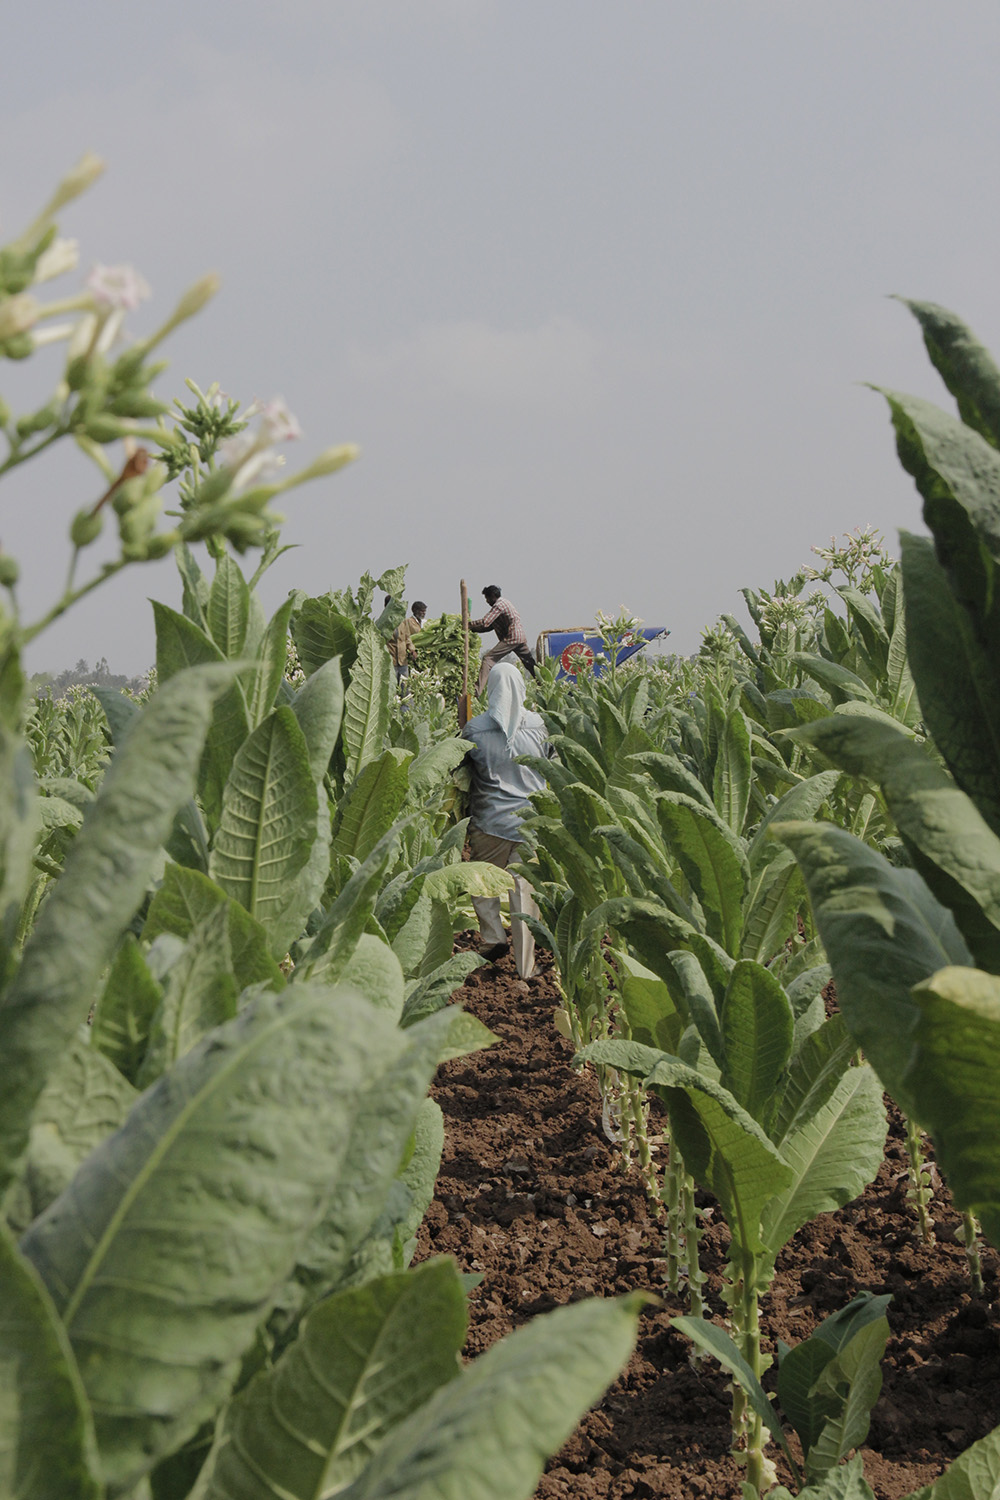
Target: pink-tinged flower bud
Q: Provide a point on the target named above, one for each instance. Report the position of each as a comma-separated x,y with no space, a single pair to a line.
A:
277,423
17,315
116,288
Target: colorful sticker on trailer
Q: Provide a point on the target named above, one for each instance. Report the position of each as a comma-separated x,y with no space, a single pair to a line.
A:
576,658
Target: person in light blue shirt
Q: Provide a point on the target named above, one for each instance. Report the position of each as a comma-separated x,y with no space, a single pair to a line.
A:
499,797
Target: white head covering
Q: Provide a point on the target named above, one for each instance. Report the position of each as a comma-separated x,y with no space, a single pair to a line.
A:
505,693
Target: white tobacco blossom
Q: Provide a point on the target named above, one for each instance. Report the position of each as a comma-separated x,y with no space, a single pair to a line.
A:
277,423
60,257
117,288
250,461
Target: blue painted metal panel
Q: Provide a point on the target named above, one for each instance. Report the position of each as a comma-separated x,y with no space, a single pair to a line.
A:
555,643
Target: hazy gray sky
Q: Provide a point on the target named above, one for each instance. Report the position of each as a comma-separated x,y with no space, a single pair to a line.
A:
594,285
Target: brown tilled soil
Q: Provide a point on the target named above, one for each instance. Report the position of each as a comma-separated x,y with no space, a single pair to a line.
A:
532,1196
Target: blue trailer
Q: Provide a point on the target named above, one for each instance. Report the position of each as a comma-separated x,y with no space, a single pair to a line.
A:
576,649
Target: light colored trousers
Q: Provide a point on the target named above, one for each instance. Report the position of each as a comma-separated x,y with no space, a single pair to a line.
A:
496,653
500,852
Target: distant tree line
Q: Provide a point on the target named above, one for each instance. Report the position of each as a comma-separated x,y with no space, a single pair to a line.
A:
45,685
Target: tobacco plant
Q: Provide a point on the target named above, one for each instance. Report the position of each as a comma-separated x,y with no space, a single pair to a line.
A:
217,1183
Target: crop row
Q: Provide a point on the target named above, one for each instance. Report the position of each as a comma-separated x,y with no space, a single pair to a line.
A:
227,916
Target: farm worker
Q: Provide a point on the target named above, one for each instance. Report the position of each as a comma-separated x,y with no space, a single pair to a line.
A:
505,620
499,797
401,647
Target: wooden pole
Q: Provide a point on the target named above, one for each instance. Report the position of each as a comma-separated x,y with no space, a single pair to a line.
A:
464,704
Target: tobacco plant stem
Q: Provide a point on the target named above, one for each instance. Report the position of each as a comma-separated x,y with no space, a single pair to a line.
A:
750,1348
922,1192
646,1163
671,1195
970,1239
692,1235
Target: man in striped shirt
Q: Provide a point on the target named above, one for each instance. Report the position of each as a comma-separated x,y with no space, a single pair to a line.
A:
505,620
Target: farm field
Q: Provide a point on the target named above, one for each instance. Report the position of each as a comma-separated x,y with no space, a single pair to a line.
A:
531,1195
303,1198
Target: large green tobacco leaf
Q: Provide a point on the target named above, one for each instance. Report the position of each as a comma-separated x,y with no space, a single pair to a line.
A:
228,609
756,1023
180,644
124,1013
586,768
723,1148
654,932
424,942
304,896
651,1013
967,369
842,684
958,475
320,633
384,1119
955,676
856,1367
104,880
319,707
733,772
366,702
713,861
581,873
671,775
272,655
433,766
268,824
829,1382
199,993
47,1445
420,1173
375,972
486,1435
365,1359
846,1482
185,898
904,704
834,1152
19,822
643,872
431,992
470,877
816,1069
801,801
954,1076
776,895
372,804
975,1474
952,846
787,707
883,932
583,811
870,626
170,1244
120,712
694,993
84,1101
329,950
